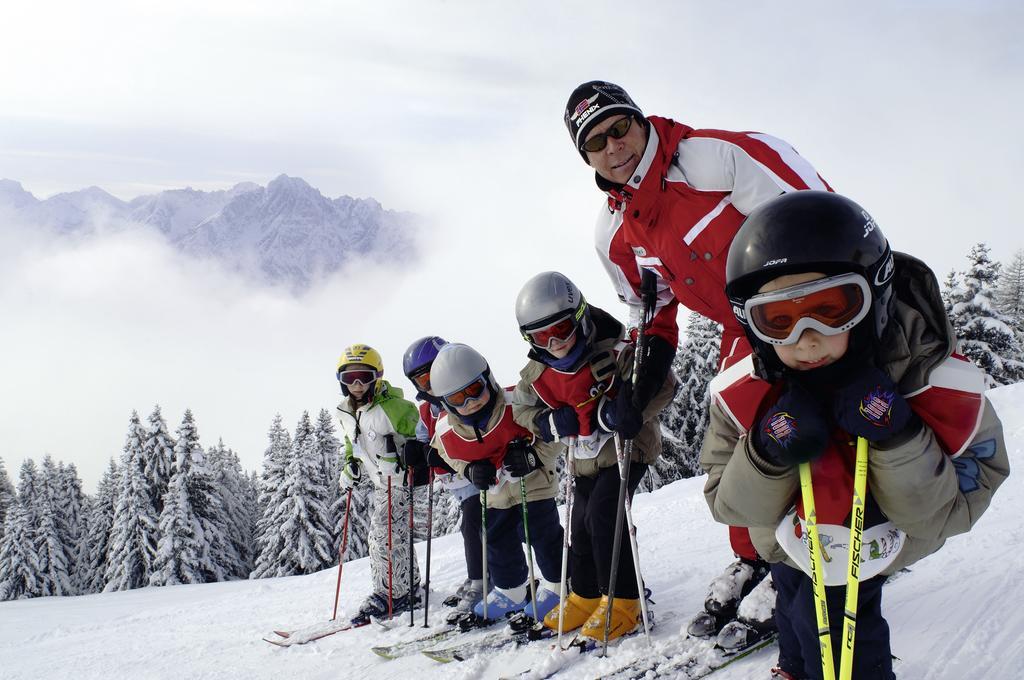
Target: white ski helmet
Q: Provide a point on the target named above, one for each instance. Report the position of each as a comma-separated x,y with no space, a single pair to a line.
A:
456,366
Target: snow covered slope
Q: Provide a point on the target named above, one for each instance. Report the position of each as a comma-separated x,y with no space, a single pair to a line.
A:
957,615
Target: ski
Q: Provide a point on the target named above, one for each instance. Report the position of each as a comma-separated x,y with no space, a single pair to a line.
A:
416,644
309,633
519,631
689,658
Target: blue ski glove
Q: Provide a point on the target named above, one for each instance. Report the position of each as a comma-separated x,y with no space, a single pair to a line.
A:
555,423
520,458
794,430
481,473
872,407
621,414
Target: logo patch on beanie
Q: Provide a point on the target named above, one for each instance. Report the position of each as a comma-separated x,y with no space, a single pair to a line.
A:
586,108
583,106
782,428
877,407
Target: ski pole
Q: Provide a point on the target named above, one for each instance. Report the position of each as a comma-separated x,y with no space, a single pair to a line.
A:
430,535
634,548
341,553
860,480
817,577
483,543
647,295
570,465
412,527
529,549
390,570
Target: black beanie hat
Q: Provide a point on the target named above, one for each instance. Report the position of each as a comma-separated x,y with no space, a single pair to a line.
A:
592,102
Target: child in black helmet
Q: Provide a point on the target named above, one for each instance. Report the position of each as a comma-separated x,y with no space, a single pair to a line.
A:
850,340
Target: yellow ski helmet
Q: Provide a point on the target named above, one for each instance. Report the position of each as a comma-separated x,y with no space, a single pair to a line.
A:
362,355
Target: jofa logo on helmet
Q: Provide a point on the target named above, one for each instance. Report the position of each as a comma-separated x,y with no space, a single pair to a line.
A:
780,260
869,225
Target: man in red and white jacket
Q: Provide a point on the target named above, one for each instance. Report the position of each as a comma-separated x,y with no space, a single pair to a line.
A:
676,197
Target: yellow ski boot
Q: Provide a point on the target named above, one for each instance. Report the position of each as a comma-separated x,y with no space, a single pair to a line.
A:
577,611
625,619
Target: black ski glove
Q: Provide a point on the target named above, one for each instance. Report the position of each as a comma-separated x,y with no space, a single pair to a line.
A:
435,460
658,358
520,458
481,473
554,423
872,407
621,413
414,453
794,430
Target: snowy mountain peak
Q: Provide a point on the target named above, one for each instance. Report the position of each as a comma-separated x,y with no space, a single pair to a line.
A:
286,233
13,195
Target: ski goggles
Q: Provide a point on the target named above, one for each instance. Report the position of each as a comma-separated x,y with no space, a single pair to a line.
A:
830,306
421,379
616,131
470,393
559,331
361,375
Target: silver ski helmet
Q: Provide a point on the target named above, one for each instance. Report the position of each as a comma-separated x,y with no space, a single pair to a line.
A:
457,367
548,300
808,231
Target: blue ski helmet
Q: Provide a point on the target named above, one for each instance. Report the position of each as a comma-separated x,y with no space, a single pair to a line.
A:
421,353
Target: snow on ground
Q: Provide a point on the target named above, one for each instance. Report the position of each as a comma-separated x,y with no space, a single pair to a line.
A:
957,615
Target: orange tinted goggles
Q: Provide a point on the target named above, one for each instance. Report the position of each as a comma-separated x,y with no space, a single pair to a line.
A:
470,392
421,380
830,306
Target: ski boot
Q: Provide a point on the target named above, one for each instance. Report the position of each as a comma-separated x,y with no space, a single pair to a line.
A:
625,618
469,595
376,606
755,618
501,602
779,674
454,599
547,600
724,595
577,611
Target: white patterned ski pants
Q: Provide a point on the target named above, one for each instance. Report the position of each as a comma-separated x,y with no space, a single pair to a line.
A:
378,542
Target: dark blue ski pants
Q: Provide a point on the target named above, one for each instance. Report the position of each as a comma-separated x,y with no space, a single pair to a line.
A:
471,543
799,651
505,558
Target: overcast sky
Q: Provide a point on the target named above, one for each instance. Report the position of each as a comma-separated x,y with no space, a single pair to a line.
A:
448,109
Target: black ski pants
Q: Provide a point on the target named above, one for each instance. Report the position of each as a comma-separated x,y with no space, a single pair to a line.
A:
505,558
471,542
595,500
799,651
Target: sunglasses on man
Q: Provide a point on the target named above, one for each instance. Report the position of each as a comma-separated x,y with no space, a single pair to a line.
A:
617,131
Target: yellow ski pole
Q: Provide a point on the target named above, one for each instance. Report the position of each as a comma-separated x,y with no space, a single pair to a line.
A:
817,577
860,481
